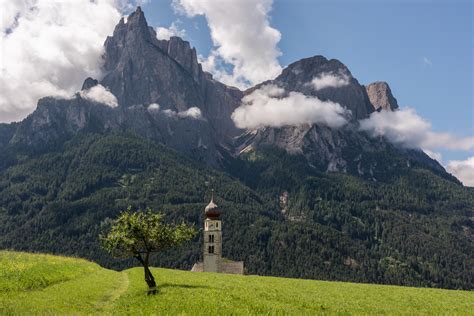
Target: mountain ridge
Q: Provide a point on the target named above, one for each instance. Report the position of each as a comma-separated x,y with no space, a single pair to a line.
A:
140,70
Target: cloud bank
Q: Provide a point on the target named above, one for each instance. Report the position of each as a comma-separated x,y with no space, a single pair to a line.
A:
192,112
100,94
48,48
163,33
434,155
242,36
406,128
153,107
463,170
270,106
329,80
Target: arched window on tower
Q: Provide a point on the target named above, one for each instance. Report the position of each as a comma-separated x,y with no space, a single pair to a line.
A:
211,249
211,238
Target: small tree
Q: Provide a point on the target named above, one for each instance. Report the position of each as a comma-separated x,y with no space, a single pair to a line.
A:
139,234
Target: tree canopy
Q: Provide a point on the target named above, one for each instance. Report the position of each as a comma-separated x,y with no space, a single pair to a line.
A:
138,234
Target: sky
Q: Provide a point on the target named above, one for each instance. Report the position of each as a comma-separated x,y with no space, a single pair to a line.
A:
423,49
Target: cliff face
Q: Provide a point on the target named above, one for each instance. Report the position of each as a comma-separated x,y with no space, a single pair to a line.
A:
381,97
139,69
143,70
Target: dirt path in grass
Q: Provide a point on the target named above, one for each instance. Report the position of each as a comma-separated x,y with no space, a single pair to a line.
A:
108,300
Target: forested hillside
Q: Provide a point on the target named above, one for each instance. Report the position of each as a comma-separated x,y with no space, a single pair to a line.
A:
280,215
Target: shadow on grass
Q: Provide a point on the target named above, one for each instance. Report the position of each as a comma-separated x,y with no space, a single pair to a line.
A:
183,286
157,290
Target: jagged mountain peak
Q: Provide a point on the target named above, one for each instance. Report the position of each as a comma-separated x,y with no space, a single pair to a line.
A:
135,21
182,52
381,97
134,38
139,69
143,70
134,34
316,64
300,75
130,35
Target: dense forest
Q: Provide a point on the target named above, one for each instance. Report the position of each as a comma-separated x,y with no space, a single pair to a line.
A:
280,215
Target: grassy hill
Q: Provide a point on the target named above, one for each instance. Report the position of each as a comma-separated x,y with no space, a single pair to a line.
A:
46,284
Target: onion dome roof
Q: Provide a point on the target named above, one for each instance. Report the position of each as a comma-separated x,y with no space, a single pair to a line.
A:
212,210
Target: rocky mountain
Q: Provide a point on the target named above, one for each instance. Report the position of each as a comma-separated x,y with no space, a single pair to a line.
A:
299,75
343,149
141,71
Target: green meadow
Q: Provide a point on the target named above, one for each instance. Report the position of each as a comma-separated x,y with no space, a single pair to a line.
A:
37,284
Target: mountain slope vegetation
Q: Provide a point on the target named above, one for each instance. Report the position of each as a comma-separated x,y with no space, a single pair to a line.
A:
412,229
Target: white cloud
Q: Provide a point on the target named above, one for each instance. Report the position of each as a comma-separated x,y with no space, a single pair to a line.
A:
434,155
163,33
426,61
48,48
330,80
408,129
463,170
154,107
269,106
193,112
100,94
9,15
242,36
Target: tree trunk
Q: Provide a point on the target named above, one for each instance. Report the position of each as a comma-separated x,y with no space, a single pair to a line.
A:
149,279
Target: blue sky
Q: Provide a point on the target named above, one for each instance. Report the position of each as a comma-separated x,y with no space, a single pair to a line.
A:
423,49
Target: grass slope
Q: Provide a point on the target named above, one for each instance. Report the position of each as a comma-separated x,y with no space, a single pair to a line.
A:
44,284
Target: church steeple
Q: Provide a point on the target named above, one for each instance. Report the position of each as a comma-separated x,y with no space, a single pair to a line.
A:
212,244
212,238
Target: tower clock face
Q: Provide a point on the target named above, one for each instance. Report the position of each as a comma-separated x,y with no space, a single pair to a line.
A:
211,226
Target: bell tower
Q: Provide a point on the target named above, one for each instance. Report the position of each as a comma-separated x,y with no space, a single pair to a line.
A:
212,238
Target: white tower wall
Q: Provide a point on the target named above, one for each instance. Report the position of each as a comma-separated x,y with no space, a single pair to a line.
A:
212,245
